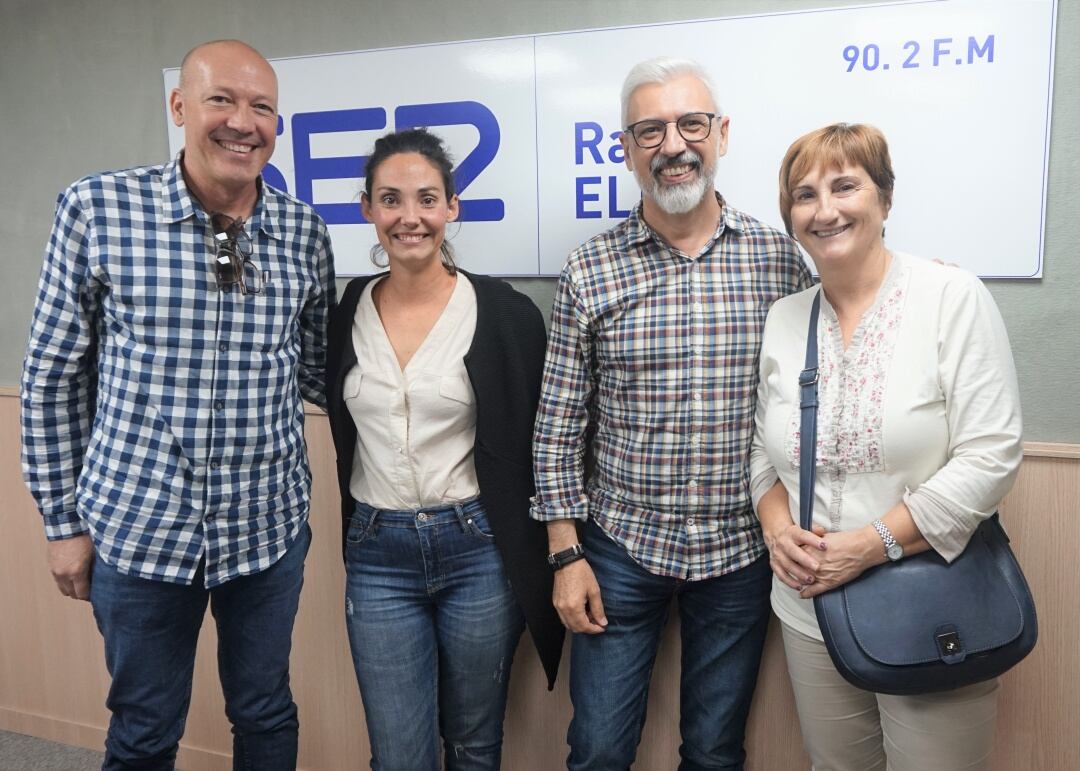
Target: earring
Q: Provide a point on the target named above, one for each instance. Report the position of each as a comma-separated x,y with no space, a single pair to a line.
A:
376,251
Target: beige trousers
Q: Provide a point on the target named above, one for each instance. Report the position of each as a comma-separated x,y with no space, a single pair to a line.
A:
845,728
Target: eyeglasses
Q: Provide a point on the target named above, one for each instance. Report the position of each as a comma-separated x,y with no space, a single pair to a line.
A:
693,127
232,263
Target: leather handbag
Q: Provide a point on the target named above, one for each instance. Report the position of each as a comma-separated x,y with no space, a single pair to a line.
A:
920,624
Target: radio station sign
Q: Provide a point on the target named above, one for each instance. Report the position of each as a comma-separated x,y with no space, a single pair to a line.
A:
961,88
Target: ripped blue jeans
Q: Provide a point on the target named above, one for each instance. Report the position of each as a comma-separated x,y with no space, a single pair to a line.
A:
433,627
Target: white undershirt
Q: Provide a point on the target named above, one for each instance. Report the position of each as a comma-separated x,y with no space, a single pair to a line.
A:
415,428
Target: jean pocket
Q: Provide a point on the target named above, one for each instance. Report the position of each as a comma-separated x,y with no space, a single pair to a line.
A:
361,527
477,526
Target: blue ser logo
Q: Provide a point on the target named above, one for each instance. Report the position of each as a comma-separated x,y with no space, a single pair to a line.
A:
308,169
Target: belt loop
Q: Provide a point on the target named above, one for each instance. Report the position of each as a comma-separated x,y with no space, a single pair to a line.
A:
459,510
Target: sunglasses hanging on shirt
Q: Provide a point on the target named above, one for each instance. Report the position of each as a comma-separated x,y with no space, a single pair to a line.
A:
233,265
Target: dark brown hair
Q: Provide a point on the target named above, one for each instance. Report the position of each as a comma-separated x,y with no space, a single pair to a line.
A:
433,150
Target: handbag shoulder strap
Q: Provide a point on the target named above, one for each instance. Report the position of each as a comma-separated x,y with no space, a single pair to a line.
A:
808,404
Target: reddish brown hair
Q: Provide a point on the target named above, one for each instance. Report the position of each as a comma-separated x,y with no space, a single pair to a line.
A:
837,146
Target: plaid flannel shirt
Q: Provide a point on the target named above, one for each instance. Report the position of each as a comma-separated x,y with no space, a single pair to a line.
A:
652,359
162,415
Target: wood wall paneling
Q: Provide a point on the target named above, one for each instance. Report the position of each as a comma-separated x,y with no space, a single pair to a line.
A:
53,680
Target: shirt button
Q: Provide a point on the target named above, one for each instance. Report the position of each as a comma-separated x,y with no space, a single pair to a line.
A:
214,465
209,517
695,440
699,307
219,405
690,522
692,484
223,347
697,397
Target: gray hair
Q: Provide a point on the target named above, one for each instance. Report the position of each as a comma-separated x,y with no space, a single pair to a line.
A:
661,70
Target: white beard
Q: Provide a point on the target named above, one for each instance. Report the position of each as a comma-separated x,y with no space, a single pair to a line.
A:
682,198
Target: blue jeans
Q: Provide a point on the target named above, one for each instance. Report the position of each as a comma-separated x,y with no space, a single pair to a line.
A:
722,624
150,630
433,627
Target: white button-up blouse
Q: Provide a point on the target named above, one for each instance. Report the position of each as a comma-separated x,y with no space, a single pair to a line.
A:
415,427
923,406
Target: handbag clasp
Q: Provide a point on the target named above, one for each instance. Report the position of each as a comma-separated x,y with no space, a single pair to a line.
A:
949,645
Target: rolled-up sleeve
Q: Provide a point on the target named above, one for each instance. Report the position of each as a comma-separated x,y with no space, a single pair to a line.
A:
314,321
563,416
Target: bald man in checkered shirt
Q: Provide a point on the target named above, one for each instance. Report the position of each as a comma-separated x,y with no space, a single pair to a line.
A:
179,322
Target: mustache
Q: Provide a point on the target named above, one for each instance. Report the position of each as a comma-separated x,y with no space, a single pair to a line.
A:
687,156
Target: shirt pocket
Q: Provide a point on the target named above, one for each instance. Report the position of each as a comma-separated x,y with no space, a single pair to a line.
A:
350,389
457,389
270,320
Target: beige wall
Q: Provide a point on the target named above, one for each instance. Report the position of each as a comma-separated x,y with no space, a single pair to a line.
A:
53,679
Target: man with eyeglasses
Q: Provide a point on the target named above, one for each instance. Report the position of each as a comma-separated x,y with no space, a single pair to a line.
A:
643,435
179,322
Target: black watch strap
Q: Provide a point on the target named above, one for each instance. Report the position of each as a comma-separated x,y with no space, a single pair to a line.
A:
561,559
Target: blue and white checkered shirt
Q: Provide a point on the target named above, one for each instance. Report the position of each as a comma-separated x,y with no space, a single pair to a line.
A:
657,350
160,414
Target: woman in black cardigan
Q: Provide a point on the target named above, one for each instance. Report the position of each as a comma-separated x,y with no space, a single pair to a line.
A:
444,563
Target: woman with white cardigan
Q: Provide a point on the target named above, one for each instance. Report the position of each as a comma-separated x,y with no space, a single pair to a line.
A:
918,441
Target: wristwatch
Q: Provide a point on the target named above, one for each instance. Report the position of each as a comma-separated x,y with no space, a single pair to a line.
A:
893,550
561,559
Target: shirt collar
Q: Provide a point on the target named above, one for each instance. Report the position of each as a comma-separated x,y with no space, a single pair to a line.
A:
638,230
178,204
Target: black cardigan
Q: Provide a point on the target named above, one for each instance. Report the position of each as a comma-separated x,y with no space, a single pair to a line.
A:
505,363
